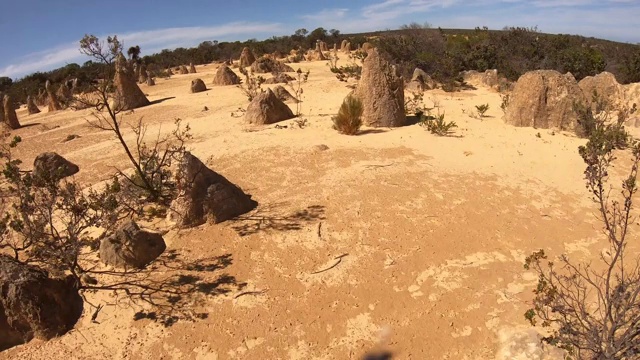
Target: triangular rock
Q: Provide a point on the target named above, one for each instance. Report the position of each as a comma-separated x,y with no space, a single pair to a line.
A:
197,85
206,195
131,247
51,166
10,116
54,103
225,76
128,95
32,108
266,108
246,58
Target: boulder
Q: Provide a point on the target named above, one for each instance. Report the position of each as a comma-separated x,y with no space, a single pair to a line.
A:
381,91
267,65
488,78
544,99
605,85
32,108
266,108
131,247
10,116
51,166
420,81
34,305
347,48
128,94
366,47
183,70
192,69
283,94
225,76
197,85
169,71
279,78
53,103
205,195
246,58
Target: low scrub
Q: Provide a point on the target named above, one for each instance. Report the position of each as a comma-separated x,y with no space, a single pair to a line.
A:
349,118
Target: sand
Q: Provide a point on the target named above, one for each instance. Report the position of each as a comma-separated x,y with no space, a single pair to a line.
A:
395,240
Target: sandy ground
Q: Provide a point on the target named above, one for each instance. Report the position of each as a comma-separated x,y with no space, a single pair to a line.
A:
394,241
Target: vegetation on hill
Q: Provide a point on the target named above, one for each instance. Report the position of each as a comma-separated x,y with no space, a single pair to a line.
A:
442,53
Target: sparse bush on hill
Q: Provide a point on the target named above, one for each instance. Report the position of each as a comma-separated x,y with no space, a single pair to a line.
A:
592,310
349,118
252,86
482,109
296,87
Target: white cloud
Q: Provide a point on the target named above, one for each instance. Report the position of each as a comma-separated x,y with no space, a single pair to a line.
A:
152,39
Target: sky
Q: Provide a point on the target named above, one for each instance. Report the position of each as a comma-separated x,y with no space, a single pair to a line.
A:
40,35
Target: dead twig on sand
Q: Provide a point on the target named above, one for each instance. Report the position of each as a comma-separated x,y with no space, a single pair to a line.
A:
339,258
257,292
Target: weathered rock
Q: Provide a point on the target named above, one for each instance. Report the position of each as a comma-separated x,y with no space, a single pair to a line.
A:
150,81
318,54
488,78
266,108
10,116
192,69
131,247
169,71
343,45
279,78
225,76
323,46
32,108
142,77
33,305
183,70
605,86
381,91
41,98
197,85
544,99
51,166
366,47
246,58
420,81
53,103
283,94
206,195
266,65
128,94
347,48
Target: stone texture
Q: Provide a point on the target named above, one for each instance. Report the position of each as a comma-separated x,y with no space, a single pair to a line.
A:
381,91
33,305
266,109
225,76
52,166
206,195
131,247
197,85
128,94
544,99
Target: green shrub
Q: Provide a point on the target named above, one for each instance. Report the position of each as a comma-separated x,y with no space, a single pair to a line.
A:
482,109
437,125
349,118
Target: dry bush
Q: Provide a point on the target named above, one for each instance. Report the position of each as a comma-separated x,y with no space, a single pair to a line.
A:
349,118
592,311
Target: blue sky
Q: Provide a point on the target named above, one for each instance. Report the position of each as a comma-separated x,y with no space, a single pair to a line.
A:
39,35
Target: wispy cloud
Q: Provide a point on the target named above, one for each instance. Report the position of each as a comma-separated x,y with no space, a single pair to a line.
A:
152,39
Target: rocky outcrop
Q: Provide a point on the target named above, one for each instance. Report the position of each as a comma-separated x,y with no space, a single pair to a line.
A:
33,305
51,166
381,91
246,58
10,116
128,94
192,69
605,86
284,95
197,85
420,81
545,99
131,247
32,108
205,195
266,109
279,78
225,76
53,102
269,65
